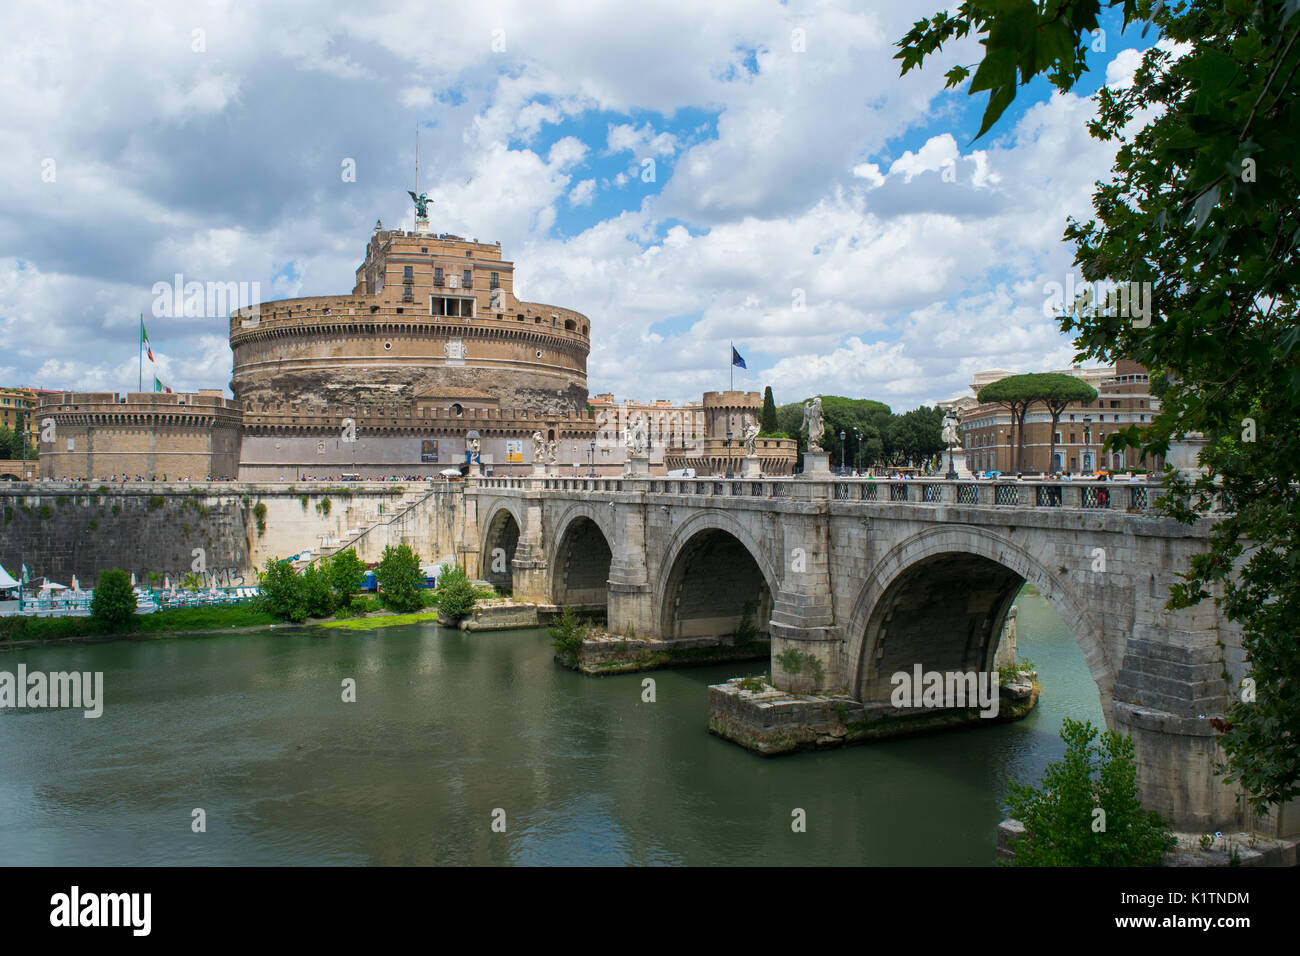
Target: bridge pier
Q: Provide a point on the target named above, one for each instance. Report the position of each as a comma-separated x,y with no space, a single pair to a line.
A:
1176,674
631,607
530,574
806,645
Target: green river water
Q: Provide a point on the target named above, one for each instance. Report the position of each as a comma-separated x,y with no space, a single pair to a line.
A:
448,728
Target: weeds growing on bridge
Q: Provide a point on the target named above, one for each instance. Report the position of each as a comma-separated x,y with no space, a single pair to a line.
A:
567,634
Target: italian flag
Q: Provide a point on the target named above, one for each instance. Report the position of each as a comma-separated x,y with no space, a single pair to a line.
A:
159,386
144,340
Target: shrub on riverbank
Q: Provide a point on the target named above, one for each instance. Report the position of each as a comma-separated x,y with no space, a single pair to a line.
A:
456,594
567,634
319,591
282,591
345,572
400,579
112,606
1087,812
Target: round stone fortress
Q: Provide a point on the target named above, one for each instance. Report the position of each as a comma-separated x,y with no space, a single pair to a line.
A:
430,316
429,362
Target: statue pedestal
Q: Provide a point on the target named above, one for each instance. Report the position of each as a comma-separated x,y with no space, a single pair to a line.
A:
750,468
816,464
638,467
475,470
960,463
1183,455
421,224
539,470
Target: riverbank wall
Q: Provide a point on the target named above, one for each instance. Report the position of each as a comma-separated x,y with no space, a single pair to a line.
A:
222,531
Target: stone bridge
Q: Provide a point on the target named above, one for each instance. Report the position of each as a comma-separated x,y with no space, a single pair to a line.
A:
868,578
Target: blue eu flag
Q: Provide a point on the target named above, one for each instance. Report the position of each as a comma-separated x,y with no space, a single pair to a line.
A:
736,360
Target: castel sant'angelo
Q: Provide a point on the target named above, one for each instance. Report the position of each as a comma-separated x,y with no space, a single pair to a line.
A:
429,357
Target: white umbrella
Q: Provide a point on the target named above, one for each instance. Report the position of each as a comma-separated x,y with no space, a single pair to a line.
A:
75,585
132,579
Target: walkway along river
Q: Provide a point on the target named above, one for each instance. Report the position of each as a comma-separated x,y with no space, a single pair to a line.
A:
448,728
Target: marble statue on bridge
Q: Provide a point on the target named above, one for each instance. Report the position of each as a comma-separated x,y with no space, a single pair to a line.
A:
950,436
636,437
815,423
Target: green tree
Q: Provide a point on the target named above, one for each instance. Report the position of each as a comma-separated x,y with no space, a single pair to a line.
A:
112,605
400,579
1201,205
839,414
282,592
319,598
10,443
345,572
1062,824
1019,393
1015,393
1058,392
918,435
456,594
767,422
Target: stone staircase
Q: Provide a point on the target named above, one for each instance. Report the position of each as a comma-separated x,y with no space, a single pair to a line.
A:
410,501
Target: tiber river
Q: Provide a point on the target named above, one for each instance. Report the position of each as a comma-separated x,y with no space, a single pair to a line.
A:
448,728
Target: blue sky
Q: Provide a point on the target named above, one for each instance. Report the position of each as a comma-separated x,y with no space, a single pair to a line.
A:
832,219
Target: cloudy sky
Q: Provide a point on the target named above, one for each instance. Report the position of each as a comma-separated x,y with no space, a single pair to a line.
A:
685,174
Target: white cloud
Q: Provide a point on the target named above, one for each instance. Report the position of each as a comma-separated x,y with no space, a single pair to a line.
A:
583,193
775,169
414,97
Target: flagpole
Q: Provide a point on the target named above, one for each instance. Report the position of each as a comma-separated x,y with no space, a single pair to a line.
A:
140,383
732,362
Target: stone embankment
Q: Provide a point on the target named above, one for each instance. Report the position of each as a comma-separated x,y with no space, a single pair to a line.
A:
604,653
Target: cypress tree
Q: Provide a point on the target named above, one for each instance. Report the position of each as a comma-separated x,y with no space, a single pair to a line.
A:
768,420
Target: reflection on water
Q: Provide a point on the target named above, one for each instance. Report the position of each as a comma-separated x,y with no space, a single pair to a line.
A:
448,728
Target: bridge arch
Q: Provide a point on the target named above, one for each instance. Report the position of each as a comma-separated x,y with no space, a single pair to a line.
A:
500,537
581,557
940,598
712,572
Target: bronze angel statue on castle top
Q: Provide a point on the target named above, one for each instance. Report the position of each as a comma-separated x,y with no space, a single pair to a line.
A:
421,203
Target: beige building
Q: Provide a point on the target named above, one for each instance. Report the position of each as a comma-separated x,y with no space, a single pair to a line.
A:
97,435
1124,399
16,407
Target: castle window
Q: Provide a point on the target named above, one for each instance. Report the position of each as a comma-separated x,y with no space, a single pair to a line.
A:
469,279
494,280
408,272
451,307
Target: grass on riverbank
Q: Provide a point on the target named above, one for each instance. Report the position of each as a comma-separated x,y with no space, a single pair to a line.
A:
390,620
215,618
